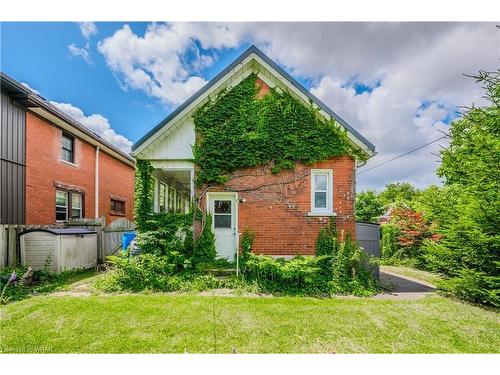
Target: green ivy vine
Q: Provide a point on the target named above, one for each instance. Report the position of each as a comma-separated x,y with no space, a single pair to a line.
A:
238,130
143,192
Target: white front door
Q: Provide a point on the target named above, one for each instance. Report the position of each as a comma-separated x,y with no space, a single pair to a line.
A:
223,207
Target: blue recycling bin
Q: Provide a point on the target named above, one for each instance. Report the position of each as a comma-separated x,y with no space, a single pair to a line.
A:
127,239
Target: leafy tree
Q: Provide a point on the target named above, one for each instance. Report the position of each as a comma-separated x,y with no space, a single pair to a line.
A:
399,192
368,206
412,229
467,210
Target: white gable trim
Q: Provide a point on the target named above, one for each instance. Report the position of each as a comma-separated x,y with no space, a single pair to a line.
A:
235,76
251,64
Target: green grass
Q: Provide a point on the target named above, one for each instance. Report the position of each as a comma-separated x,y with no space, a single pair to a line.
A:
414,273
44,283
140,323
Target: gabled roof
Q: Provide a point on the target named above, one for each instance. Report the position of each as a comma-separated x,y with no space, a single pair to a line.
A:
276,67
31,100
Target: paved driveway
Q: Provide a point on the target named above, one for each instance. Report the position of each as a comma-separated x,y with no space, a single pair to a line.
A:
403,287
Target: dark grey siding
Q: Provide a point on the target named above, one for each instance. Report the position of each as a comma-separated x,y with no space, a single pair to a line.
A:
12,162
368,237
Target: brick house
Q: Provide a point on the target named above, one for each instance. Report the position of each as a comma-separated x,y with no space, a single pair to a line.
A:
285,210
53,168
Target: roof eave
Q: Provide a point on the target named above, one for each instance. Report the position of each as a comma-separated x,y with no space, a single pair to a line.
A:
29,99
370,148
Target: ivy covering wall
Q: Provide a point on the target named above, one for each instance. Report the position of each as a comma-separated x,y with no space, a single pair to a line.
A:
143,192
238,130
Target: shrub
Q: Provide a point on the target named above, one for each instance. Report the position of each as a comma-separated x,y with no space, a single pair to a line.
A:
163,233
343,272
300,275
412,230
389,242
149,272
350,270
204,247
327,242
473,286
143,272
246,245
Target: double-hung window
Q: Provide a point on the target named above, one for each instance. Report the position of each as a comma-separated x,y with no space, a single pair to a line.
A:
61,206
322,192
68,146
76,206
69,205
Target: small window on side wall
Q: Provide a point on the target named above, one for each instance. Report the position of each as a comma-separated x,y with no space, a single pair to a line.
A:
117,207
322,191
68,148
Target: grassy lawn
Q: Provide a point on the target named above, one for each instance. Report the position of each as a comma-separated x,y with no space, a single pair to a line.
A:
414,273
138,323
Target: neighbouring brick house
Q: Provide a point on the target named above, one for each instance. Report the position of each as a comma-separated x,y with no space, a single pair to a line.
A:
285,210
53,168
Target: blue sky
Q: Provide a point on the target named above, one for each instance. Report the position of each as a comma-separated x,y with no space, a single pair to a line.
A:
398,84
49,67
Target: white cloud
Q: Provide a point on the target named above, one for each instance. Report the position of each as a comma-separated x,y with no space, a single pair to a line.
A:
30,88
98,124
415,69
417,95
81,52
163,60
88,29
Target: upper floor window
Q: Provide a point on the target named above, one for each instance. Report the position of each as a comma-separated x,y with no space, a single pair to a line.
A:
68,148
322,191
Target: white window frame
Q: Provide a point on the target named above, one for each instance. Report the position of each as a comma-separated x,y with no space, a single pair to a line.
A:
328,211
73,208
65,206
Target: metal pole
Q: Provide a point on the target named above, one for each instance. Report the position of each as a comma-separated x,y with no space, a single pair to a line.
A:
237,262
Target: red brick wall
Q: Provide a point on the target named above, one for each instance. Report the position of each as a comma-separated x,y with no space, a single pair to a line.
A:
277,211
44,167
115,178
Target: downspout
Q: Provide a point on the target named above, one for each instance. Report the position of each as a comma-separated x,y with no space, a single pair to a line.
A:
96,189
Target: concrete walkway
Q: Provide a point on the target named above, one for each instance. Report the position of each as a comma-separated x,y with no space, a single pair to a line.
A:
403,287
